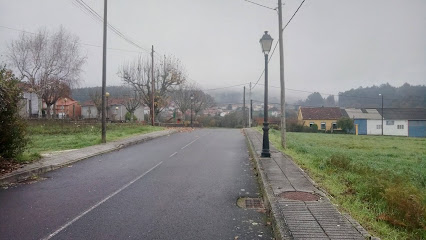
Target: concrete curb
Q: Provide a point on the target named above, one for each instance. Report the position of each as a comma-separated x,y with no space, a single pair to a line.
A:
279,226
40,168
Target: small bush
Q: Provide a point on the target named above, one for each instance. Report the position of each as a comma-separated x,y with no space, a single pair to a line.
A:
404,203
339,161
13,139
128,117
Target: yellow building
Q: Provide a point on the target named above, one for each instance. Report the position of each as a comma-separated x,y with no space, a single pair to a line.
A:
324,117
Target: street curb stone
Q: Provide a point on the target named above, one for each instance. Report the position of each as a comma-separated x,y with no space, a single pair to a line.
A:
51,163
279,225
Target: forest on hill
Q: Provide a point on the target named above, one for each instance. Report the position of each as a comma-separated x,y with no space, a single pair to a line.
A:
405,96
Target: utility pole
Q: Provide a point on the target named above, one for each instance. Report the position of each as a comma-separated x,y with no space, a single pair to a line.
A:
244,108
104,74
251,109
280,33
249,120
153,86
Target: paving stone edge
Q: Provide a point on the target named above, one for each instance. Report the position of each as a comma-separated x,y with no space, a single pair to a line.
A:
34,172
279,225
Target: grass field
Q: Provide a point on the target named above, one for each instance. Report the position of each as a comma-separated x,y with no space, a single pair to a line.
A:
380,181
51,136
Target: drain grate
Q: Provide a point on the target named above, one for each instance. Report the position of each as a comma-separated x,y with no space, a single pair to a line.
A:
300,196
253,203
250,203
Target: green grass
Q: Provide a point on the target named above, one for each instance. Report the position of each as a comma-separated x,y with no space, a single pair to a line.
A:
52,136
380,181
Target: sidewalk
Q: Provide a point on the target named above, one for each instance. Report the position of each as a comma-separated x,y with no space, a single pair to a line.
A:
303,217
62,159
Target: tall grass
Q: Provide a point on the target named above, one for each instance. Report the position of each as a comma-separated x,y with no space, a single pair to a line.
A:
48,136
380,181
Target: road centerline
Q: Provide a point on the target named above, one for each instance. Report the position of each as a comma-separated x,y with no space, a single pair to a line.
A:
69,223
189,144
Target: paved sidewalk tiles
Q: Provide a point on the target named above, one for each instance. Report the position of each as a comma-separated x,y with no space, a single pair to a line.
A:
302,219
59,160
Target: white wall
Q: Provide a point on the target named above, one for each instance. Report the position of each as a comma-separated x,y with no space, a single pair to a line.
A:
93,112
390,130
34,103
393,129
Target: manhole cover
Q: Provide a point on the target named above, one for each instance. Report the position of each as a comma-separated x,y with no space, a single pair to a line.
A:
251,203
299,196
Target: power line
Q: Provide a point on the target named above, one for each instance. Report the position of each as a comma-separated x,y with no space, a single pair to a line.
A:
258,4
213,89
276,44
85,7
87,44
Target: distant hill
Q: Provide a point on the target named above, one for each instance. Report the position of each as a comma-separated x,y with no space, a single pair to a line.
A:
406,96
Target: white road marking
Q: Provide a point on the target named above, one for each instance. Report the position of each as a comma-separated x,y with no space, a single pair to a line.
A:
189,143
99,203
173,154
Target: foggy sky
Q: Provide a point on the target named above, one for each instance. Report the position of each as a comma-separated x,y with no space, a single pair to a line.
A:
330,46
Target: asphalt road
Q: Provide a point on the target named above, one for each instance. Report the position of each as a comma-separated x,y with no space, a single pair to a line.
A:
184,186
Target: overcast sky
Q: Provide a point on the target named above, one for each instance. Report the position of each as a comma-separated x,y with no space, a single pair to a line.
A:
330,46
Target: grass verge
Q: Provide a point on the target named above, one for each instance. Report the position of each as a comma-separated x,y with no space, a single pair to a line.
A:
380,181
49,136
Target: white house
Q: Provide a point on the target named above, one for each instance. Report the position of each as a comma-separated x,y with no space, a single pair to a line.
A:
30,105
116,110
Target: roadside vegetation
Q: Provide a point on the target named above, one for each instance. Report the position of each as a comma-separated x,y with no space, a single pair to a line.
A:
49,136
380,181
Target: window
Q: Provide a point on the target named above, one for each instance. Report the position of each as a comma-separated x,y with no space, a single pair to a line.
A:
311,123
390,122
400,126
379,126
323,126
334,125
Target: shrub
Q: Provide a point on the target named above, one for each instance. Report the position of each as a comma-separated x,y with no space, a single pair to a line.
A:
13,139
128,117
346,124
314,127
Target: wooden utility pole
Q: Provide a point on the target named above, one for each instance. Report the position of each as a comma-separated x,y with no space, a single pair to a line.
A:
280,33
104,74
153,87
244,108
249,120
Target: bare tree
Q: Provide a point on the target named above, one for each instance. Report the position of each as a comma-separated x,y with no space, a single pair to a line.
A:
55,90
181,96
167,75
132,103
47,60
202,101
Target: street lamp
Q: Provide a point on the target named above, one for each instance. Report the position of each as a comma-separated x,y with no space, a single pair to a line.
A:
107,96
382,112
65,106
266,44
30,102
192,99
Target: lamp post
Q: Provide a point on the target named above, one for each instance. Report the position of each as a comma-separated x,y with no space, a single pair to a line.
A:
382,112
107,96
266,43
66,109
192,100
30,103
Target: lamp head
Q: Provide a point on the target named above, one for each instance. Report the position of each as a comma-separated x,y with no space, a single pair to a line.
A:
266,42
